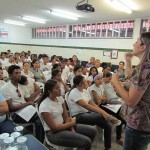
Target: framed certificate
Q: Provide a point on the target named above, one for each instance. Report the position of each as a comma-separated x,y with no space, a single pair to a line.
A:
114,54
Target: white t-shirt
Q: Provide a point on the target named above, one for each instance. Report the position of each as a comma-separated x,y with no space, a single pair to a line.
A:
9,92
5,73
46,67
9,64
110,92
2,83
99,90
100,70
74,96
54,108
90,78
4,62
30,85
62,88
65,74
29,75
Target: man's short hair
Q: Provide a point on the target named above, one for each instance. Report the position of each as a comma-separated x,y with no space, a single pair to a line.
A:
12,68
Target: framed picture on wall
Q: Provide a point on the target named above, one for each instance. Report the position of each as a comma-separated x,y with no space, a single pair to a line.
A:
107,53
114,54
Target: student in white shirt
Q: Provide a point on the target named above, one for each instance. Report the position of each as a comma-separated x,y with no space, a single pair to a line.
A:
45,65
5,73
76,71
10,62
65,71
3,60
59,128
18,98
87,112
97,91
33,88
99,68
26,70
56,75
100,97
112,96
92,73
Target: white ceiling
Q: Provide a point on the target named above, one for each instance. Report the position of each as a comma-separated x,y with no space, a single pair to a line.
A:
14,9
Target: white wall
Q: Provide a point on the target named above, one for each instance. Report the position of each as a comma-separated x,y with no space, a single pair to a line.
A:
24,35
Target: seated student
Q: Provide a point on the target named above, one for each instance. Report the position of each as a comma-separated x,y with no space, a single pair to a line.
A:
33,88
97,91
5,73
84,73
2,82
65,70
91,63
76,71
6,125
92,73
106,69
100,97
38,74
18,98
75,61
56,75
3,60
121,71
98,66
87,112
109,90
45,65
59,128
26,70
10,62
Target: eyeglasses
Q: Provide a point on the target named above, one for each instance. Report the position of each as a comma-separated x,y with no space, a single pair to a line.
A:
19,94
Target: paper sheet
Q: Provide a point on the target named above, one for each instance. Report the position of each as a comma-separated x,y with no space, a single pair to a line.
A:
113,107
27,112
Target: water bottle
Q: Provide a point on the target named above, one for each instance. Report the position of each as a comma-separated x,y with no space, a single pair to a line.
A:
2,137
15,135
9,144
22,143
19,129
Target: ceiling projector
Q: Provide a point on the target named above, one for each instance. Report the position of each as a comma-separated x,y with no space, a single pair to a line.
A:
85,7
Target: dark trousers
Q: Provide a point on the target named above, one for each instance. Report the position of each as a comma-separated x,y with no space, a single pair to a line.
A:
7,126
118,128
39,131
136,140
91,118
82,138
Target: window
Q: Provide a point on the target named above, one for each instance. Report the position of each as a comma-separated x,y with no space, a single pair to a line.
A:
111,29
49,32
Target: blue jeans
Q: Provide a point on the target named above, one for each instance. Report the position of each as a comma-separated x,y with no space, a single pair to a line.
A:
7,126
91,118
82,138
136,140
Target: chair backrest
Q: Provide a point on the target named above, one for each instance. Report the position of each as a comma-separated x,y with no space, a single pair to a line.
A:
68,105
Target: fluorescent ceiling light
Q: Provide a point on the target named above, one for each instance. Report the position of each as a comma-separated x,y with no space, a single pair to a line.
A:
119,6
14,22
64,14
33,19
130,4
